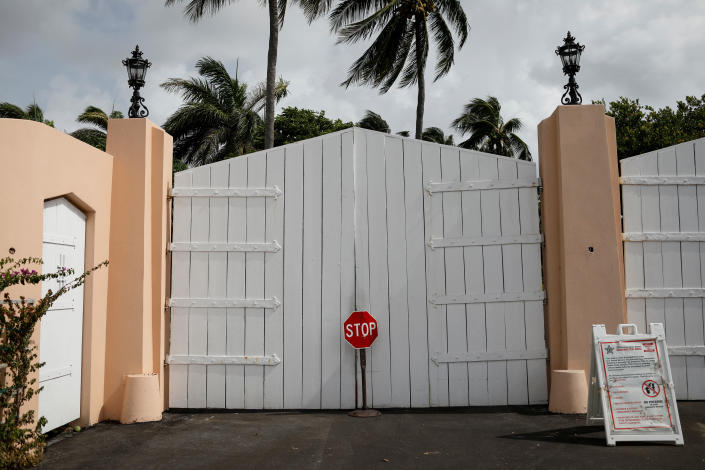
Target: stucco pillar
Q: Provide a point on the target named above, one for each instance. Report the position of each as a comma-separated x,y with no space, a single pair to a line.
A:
137,280
581,219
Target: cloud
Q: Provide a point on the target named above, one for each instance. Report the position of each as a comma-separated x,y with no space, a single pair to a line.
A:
68,55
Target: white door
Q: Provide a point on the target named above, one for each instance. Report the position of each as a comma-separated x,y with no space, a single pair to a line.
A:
62,327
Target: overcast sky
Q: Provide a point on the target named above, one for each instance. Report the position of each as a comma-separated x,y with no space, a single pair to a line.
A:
66,55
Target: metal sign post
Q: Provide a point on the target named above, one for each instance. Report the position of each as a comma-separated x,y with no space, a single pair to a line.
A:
360,330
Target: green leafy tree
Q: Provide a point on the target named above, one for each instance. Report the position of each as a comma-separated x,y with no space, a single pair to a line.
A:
489,132
436,134
219,118
405,30
95,136
21,438
31,113
641,128
194,11
374,121
294,124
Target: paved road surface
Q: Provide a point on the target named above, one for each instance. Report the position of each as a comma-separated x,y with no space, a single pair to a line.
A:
467,438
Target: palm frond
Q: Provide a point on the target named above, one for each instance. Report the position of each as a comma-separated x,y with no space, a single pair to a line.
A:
366,27
219,117
444,43
281,12
453,10
434,134
400,59
218,77
256,98
482,119
415,68
196,9
373,66
91,136
94,115
11,111
195,89
349,11
314,9
34,113
512,126
374,121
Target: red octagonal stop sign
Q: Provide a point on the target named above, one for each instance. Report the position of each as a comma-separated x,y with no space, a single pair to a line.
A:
360,330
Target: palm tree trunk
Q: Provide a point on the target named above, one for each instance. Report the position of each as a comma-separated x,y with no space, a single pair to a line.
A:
271,74
420,67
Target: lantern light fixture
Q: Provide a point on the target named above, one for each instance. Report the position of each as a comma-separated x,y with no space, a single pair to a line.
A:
570,53
136,71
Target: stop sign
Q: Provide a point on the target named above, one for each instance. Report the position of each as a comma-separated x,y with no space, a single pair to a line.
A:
360,330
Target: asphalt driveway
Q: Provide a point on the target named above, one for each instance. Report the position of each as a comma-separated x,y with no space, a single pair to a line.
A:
462,438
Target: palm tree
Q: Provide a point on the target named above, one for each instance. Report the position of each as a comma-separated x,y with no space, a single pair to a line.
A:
219,118
31,113
194,11
401,47
374,121
488,130
97,117
436,134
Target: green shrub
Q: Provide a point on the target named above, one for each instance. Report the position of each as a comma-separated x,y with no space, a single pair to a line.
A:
21,438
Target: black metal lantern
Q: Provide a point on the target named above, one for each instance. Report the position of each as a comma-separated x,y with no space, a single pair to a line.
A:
136,71
570,53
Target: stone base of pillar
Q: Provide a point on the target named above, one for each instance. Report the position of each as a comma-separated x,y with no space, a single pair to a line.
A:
141,401
569,392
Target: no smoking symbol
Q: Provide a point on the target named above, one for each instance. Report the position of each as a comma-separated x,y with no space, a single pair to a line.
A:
650,388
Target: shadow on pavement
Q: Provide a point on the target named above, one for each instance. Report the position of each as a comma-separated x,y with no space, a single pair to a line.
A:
574,435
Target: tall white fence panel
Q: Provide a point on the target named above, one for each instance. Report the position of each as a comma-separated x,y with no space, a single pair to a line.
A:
272,251
663,198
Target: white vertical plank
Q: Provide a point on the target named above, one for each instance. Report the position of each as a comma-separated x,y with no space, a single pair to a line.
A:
672,274
235,321
455,279
331,332
474,281
396,250
362,260
254,282
435,278
494,284
416,273
651,222
379,274
695,329
293,261
690,268
515,326
633,251
313,186
180,268
531,268
347,269
217,278
198,287
274,281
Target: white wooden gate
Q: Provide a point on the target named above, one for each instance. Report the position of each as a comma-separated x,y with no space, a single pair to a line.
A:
272,251
61,329
663,199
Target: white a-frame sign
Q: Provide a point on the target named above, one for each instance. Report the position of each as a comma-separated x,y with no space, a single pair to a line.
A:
631,388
